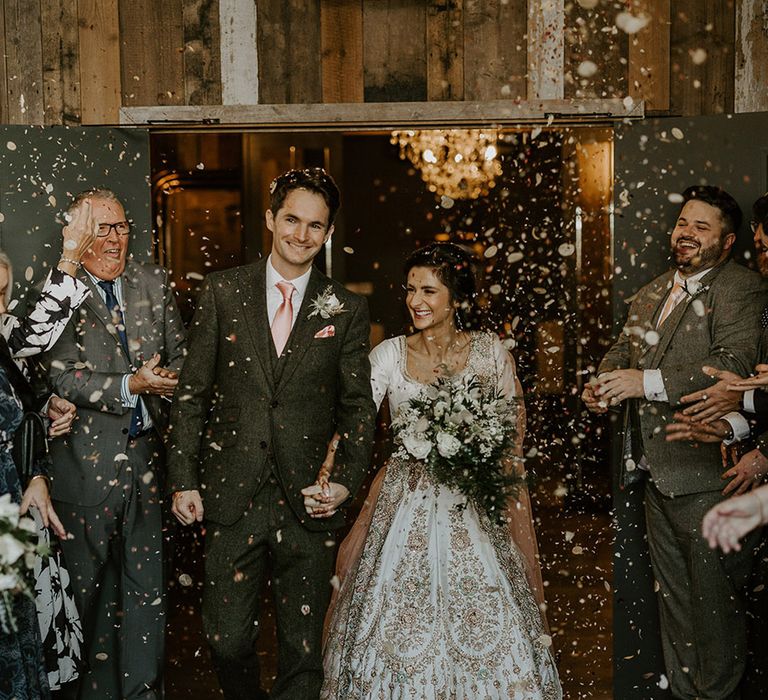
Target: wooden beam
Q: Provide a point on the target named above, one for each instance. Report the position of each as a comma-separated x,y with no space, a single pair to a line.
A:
24,62
387,115
61,64
394,51
4,116
239,58
202,52
546,49
649,55
341,40
445,50
99,39
751,89
288,41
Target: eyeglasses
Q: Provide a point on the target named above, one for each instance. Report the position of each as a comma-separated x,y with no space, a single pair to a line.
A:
122,228
754,224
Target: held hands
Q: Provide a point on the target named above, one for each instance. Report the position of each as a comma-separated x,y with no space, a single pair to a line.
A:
717,400
620,384
322,499
36,494
62,414
79,233
188,507
150,378
727,522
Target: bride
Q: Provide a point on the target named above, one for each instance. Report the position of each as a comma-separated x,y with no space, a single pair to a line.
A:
436,601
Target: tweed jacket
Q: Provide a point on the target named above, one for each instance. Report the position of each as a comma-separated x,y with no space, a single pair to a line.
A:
242,414
718,326
87,365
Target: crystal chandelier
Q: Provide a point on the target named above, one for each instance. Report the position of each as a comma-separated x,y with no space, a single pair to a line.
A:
455,163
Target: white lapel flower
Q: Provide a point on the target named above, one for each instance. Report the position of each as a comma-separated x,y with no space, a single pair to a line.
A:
327,304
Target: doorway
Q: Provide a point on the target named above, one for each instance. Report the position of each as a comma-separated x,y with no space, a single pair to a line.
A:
540,227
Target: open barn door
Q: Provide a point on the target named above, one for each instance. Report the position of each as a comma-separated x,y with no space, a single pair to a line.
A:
654,161
42,167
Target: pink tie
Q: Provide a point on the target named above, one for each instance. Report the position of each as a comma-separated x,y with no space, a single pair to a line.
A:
674,297
281,324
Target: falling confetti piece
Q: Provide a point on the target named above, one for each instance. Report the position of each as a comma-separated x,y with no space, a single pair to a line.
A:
446,202
200,166
663,682
490,251
630,23
630,465
566,249
651,338
348,250
675,197
29,273
569,535
185,580
495,289
11,146
698,308
102,656
305,609
698,56
147,478
587,69
514,257
678,133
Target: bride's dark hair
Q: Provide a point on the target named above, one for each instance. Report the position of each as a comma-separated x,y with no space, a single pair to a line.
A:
455,268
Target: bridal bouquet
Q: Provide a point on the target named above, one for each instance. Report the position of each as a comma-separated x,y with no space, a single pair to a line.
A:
18,547
463,432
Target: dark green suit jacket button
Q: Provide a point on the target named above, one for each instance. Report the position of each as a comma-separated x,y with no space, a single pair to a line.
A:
273,404
263,445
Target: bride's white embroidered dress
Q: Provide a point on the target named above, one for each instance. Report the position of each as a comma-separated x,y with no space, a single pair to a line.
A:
436,602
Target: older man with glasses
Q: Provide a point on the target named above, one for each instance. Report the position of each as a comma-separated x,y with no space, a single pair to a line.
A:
118,362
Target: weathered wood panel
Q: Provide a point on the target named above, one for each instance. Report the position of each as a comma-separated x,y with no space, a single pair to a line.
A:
394,51
4,117
152,42
24,61
495,58
61,64
202,54
99,38
239,58
288,33
596,51
445,50
546,50
341,40
702,56
751,89
649,56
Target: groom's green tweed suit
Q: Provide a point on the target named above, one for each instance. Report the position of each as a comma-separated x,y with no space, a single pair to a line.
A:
249,431
701,609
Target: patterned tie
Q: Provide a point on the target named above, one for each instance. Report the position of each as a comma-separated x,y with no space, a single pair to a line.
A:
764,317
108,287
672,300
283,321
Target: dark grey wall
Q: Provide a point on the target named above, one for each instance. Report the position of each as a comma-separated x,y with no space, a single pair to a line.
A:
655,159
42,167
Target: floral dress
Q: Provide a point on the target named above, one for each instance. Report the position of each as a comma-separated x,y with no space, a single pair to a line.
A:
438,606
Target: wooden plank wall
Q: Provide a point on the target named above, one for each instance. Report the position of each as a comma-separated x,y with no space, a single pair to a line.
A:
79,61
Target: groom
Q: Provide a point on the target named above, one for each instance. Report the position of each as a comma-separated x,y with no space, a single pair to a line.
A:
277,362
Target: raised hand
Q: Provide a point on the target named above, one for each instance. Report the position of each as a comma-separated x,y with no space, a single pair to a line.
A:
715,401
746,474
150,378
688,429
727,522
760,380
592,401
62,414
79,233
188,507
620,384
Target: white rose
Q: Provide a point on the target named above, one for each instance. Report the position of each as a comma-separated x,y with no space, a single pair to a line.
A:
10,549
417,446
333,301
447,444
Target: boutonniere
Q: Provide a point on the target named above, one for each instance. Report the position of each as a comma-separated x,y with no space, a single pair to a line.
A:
693,288
327,304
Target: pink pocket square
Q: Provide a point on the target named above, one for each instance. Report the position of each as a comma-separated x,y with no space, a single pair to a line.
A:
327,332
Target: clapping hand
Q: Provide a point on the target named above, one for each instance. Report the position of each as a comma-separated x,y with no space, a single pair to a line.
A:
715,401
759,381
62,414
727,522
151,378
691,429
79,233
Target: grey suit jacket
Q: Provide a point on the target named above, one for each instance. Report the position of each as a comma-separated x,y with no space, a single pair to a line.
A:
719,326
240,413
87,365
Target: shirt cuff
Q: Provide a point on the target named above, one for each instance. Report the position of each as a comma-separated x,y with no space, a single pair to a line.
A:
749,401
129,400
653,385
740,426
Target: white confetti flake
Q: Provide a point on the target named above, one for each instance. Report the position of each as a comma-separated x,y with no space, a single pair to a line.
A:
11,146
305,610
566,249
348,250
102,656
630,23
651,338
121,457
200,166
630,465
663,682
514,257
490,251
95,396
675,198
148,476
446,202
29,273
698,308
698,56
569,535
678,133
587,69
185,580
495,289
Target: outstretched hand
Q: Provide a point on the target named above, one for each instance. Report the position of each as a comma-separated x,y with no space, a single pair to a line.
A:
715,401
727,522
690,429
759,381
79,233
746,474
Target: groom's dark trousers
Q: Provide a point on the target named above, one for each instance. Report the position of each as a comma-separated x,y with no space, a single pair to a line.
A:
250,430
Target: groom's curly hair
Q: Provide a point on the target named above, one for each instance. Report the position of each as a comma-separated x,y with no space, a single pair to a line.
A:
455,268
